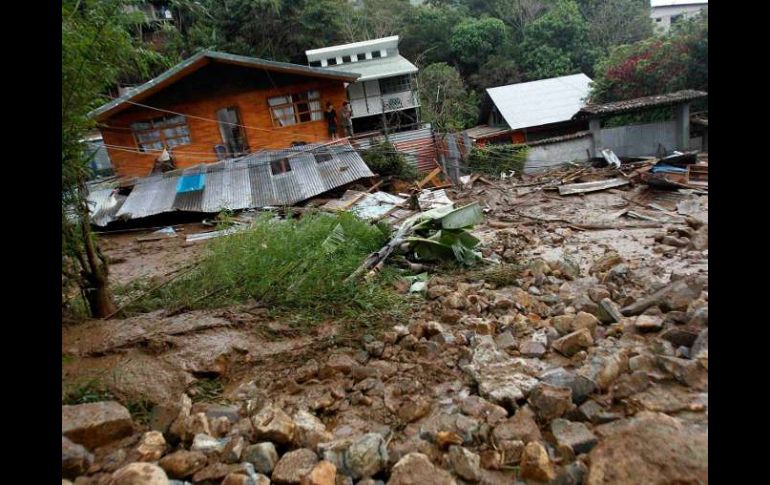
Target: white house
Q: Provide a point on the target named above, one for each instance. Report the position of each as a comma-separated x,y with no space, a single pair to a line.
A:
664,13
385,93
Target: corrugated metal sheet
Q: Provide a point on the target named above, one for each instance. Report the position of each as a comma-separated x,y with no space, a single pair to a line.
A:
541,102
249,182
103,205
418,146
377,68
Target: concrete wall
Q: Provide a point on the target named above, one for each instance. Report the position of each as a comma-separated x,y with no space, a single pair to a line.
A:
661,16
640,140
550,155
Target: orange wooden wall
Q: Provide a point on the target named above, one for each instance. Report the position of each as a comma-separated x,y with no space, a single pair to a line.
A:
202,96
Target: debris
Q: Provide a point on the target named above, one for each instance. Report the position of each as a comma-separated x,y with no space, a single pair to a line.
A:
585,187
611,158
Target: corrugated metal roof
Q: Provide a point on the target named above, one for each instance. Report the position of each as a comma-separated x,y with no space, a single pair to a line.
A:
418,146
484,131
677,3
103,204
383,43
636,104
248,182
542,102
377,68
190,64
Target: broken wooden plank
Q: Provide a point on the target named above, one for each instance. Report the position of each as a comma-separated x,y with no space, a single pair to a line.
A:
429,177
584,187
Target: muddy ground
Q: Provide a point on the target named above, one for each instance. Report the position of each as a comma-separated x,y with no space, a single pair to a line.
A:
471,363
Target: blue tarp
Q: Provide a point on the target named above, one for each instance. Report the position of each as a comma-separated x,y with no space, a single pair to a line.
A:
190,183
663,168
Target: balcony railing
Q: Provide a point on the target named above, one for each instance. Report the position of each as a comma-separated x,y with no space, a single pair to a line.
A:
373,105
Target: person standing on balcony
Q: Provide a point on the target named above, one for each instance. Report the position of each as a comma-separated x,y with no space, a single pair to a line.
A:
331,120
346,113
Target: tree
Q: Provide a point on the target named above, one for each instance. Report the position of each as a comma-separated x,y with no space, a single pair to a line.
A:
97,49
499,70
445,101
516,14
662,64
614,22
425,37
557,43
473,41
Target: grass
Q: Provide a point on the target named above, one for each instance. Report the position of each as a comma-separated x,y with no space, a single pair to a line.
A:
90,391
208,390
294,265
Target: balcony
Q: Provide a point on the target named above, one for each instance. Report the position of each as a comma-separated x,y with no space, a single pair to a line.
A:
383,103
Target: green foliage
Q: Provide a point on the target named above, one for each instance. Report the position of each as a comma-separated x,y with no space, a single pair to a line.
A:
496,159
426,34
297,265
474,40
659,65
615,22
90,391
557,43
499,70
444,100
383,159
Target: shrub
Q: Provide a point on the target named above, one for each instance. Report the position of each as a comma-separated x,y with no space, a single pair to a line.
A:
496,159
383,159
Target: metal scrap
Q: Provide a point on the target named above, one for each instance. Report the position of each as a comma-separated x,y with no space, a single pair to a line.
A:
584,187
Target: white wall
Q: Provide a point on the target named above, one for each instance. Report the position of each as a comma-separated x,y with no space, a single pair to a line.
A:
640,140
548,155
661,16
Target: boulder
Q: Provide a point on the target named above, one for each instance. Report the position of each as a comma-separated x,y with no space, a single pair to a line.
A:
273,424
95,424
139,474
75,459
309,430
549,402
417,469
324,473
521,427
535,463
648,323
465,463
262,455
151,447
366,456
580,385
183,463
651,448
501,378
293,466
574,342
575,436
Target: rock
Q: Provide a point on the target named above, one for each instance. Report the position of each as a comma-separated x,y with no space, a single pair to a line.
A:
605,262
604,369
139,474
208,444
585,320
580,385
233,450
549,401
650,449
239,479
220,426
199,424
309,430
521,427
688,372
701,345
534,290
574,436
491,459
214,472
572,474
262,455
416,469
294,465
151,447
465,463
114,460
680,336
366,456
324,473
75,458
630,384
530,348
272,424
505,340
574,342
675,296
445,439
700,240
182,463
592,412
598,293
648,323
608,311
563,323
535,464
338,363
414,409
95,424
500,378
478,407
700,317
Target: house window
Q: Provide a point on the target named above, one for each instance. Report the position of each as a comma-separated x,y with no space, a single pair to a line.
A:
397,84
676,18
361,56
332,61
376,54
345,58
315,63
282,165
295,108
160,133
